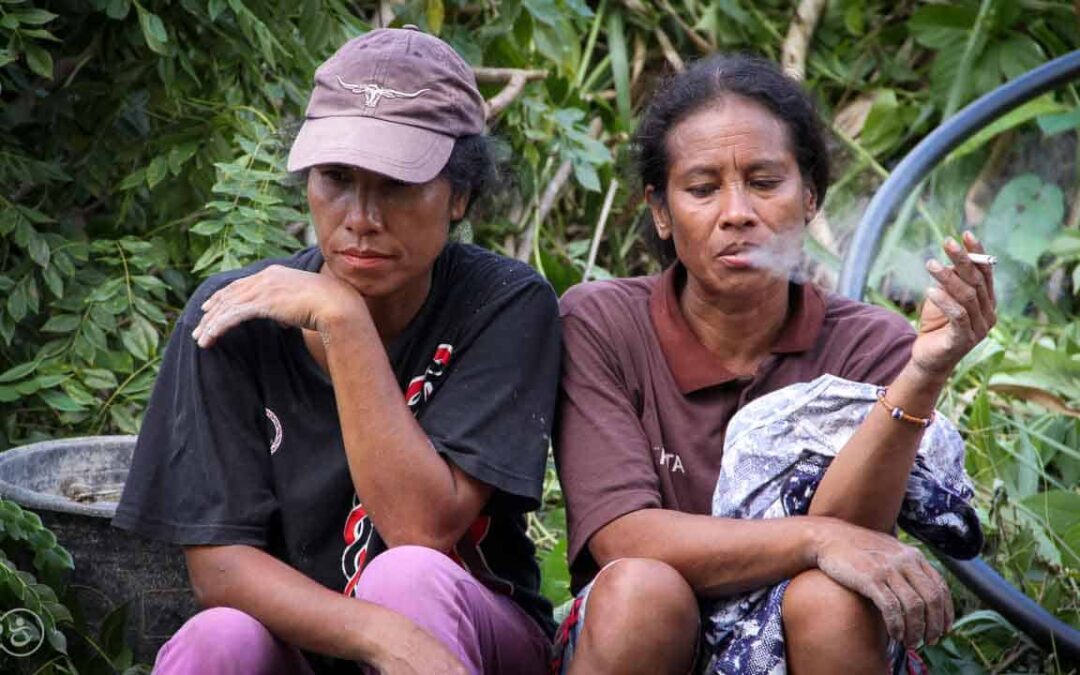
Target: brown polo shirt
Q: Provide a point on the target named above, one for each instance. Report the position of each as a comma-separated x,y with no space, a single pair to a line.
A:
644,405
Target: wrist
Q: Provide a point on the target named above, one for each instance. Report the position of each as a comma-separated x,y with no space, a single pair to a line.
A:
819,531
345,315
926,376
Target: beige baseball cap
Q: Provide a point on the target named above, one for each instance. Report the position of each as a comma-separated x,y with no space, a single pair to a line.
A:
391,101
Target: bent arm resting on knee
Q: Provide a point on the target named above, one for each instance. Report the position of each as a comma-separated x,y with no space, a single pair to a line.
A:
716,556
299,610
724,556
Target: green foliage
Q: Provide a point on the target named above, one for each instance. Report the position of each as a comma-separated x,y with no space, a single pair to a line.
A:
142,147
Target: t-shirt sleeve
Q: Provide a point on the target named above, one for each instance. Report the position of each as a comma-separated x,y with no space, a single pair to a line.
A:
201,468
601,450
882,348
492,416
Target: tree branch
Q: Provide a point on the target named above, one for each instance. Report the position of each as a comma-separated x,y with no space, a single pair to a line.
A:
797,42
515,80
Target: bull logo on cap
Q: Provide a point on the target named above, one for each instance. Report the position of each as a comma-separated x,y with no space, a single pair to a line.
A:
373,93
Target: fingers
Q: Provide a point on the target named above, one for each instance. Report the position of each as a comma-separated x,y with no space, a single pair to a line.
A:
913,609
952,309
961,292
890,606
948,611
973,245
980,277
224,310
934,594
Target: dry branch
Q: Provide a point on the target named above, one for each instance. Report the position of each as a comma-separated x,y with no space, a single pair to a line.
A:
797,42
515,80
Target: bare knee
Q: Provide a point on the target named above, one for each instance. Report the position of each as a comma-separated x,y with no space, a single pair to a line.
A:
814,601
641,616
824,620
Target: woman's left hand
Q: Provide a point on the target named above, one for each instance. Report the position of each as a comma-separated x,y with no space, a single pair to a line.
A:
289,296
960,310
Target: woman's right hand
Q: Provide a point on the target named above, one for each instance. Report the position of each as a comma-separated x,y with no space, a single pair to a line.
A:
914,600
413,651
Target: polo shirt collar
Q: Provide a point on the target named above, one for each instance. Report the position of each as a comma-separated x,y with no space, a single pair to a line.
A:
693,366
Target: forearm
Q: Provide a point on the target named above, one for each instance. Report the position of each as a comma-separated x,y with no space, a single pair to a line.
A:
716,556
866,482
408,489
299,611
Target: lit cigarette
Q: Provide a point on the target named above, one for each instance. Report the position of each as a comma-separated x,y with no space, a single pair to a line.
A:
982,259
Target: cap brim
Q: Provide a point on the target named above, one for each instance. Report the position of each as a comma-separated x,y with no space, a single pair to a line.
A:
400,151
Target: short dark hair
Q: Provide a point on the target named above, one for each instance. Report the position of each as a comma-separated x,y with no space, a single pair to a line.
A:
706,80
471,168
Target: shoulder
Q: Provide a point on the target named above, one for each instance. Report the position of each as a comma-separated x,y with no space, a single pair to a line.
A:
851,317
307,259
477,275
612,296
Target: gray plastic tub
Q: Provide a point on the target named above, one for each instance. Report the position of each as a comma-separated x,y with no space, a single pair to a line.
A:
74,485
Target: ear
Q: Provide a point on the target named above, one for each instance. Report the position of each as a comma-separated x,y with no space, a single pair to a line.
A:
809,203
458,205
660,215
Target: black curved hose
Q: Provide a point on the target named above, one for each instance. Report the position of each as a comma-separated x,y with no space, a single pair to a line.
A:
1042,627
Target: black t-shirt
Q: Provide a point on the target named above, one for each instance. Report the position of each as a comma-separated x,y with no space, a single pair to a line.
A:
241,442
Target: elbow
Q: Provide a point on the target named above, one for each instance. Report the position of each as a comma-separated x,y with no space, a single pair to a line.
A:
208,574
609,544
433,533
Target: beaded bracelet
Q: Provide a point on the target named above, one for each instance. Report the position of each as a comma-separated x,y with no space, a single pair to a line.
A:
898,413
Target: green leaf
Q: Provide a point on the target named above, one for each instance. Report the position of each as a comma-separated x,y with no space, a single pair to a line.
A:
157,170
585,174
98,378
19,371
434,12
1053,125
34,17
53,281
544,11
17,302
939,26
133,180
64,323
58,400
39,250
1043,105
56,640
39,60
207,228
1024,218
153,30
215,8
118,9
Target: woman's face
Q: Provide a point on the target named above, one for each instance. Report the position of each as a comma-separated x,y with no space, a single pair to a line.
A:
736,204
378,234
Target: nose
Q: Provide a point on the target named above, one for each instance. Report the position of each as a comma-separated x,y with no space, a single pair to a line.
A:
365,211
736,211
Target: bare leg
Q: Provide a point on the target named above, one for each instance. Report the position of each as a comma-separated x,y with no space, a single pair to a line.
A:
829,629
641,617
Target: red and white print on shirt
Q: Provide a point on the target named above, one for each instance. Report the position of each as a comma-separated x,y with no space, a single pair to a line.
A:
421,386
358,526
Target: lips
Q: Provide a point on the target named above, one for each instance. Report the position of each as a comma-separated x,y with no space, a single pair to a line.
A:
736,256
360,258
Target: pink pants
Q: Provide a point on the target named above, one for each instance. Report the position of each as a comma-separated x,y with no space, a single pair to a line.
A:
488,632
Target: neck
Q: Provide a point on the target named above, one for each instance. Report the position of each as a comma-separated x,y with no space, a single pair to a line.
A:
392,313
739,330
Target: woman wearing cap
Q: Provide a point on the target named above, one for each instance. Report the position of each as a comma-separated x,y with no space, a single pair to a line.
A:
345,441
656,370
